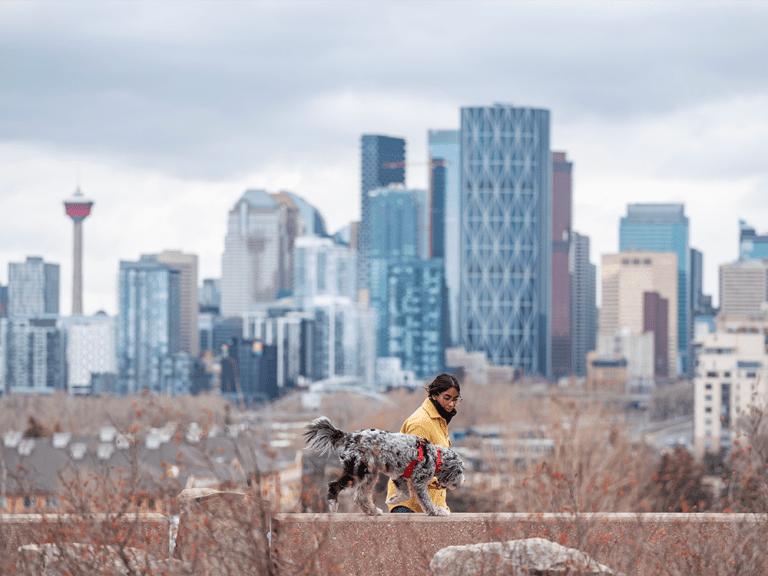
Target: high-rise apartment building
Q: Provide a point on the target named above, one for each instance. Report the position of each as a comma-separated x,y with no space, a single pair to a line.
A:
664,228
149,325
731,377
744,287
506,238
697,282
186,264
751,244
561,279
254,248
382,162
444,145
583,276
33,288
627,278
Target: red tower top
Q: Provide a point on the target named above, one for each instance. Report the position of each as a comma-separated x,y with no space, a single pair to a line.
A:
78,207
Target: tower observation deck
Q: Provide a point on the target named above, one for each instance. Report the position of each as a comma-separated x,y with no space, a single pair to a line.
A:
78,208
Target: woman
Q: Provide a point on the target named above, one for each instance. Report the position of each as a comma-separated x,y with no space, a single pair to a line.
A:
431,421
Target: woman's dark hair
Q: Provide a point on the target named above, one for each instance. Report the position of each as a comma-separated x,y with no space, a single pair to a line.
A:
441,383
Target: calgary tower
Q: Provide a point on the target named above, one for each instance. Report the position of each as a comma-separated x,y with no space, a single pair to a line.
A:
78,208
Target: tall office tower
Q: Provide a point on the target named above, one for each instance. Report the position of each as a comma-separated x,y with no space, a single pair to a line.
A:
656,320
664,228
186,264
301,219
249,372
33,288
78,208
416,322
697,282
445,145
744,287
394,217
583,302
382,162
506,238
627,277
35,354
322,268
149,323
732,377
251,266
561,285
751,244
90,349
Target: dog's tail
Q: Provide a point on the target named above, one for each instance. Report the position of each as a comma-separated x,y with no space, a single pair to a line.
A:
323,436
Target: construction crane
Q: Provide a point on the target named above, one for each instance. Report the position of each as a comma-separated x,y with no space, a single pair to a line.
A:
432,163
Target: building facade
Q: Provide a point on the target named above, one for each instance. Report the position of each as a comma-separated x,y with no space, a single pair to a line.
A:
445,145
91,348
416,318
254,248
506,239
664,228
149,324
186,264
33,288
382,162
561,279
322,267
744,287
35,354
627,277
583,276
731,379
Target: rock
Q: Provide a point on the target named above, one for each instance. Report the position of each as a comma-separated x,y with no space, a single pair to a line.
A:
527,557
93,560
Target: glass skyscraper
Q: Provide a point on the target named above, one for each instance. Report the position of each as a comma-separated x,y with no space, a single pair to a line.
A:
506,240
444,145
664,228
751,244
149,324
382,162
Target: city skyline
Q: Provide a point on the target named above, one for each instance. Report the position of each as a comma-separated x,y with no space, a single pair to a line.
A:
165,114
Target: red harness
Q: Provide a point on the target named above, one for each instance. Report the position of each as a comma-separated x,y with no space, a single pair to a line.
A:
422,443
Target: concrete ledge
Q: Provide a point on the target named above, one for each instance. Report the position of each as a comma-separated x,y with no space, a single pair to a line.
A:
397,544
149,532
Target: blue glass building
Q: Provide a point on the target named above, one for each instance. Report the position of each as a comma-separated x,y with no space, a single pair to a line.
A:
751,244
664,228
444,145
375,152
394,217
416,318
149,324
506,240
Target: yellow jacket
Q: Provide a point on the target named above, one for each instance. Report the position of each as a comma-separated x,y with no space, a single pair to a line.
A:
425,423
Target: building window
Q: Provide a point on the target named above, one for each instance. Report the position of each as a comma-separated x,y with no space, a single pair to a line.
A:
708,387
709,432
711,374
29,502
708,421
52,502
708,409
708,397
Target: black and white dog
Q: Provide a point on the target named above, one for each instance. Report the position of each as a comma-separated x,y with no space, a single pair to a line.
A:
400,456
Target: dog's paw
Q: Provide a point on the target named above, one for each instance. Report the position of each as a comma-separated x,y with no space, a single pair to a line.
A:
440,511
379,512
398,498
333,506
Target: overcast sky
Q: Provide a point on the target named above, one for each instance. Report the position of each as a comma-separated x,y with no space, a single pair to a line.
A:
164,113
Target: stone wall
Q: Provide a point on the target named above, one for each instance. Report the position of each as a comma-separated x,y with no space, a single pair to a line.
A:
399,544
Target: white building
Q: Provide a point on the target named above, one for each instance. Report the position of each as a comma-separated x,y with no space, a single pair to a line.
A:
636,349
731,376
322,268
254,247
744,287
91,349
